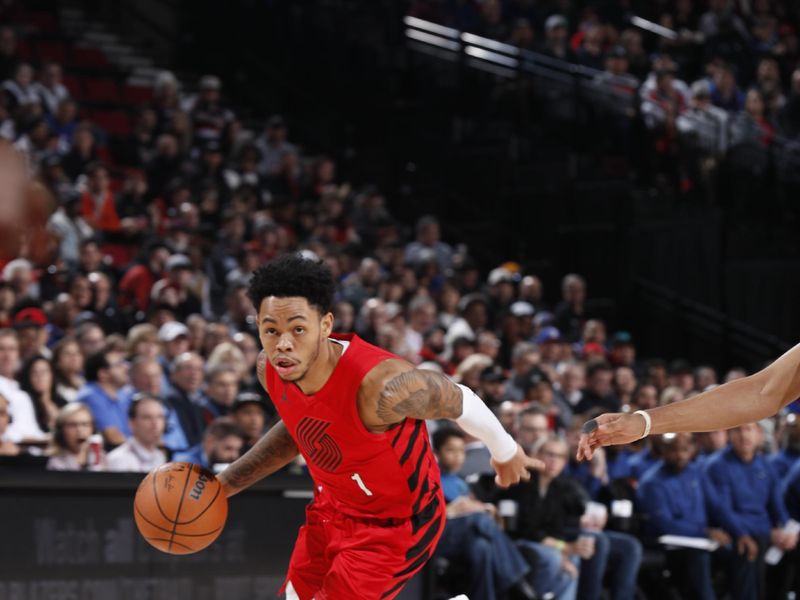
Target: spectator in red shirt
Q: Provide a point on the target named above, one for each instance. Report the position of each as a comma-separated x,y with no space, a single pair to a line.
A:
135,286
97,202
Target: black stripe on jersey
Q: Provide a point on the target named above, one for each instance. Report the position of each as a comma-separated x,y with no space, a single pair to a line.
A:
422,491
418,521
331,455
400,427
411,440
395,587
414,479
415,565
427,537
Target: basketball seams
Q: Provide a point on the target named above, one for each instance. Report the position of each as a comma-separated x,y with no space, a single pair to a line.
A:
180,504
167,530
202,512
155,496
171,542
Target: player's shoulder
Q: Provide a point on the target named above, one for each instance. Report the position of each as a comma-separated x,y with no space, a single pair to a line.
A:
382,373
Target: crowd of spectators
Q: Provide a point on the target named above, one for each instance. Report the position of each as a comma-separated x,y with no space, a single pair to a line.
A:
720,79
126,337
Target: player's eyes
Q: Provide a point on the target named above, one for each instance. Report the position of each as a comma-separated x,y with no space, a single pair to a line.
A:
299,330
269,331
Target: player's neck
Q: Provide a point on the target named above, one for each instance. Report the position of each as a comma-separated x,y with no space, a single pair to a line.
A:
319,373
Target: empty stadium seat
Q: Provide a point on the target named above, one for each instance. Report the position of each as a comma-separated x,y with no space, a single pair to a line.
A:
101,90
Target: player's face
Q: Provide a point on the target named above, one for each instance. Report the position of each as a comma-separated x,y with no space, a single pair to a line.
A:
452,454
292,333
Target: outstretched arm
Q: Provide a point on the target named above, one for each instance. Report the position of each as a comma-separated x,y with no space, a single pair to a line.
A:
394,390
274,450
740,401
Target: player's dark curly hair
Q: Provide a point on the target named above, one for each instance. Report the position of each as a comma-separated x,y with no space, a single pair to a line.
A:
292,275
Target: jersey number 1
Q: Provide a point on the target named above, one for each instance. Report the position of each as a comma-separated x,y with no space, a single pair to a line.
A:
357,478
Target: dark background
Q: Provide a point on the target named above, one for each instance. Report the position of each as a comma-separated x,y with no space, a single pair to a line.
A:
507,175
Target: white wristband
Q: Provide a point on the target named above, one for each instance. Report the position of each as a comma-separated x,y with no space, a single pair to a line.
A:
648,422
477,420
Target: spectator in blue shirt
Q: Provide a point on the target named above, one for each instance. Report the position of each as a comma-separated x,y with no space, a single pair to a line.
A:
783,460
790,490
746,502
671,496
147,376
186,398
471,534
222,444
106,373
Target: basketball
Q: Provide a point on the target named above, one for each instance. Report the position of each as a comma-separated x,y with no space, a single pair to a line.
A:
180,508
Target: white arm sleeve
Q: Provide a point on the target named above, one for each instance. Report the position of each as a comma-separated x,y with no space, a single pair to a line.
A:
477,420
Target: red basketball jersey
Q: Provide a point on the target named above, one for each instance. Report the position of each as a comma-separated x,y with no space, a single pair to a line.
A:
369,475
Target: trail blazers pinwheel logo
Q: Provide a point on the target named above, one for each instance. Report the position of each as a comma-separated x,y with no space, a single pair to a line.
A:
317,445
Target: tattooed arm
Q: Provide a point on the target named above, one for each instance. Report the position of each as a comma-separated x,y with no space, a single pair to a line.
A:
273,451
394,390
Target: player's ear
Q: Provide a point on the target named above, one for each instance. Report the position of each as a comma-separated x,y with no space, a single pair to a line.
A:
327,324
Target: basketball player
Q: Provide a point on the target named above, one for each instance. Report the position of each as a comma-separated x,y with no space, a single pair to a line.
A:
735,403
356,414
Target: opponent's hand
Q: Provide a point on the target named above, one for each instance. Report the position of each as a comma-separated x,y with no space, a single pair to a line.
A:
609,430
515,470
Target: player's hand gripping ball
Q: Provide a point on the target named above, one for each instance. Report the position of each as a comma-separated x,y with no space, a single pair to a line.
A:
180,508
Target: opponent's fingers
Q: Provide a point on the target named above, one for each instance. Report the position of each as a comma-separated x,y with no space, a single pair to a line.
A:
500,483
533,463
584,448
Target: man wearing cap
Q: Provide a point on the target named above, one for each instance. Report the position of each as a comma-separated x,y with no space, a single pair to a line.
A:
174,337
30,324
556,42
250,414
502,289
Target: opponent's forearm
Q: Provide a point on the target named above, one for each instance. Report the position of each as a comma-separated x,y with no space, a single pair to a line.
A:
740,401
273,451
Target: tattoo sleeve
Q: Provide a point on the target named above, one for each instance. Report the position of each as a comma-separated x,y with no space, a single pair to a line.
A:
419,394
273,451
